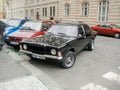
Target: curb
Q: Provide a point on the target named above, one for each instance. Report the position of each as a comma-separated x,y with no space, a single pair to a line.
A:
15,55
23,59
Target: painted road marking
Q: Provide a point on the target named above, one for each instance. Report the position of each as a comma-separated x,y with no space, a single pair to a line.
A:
112,77
24,83
92,86
118,67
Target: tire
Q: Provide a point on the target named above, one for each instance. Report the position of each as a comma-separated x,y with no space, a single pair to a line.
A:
117,35
68,60
91,45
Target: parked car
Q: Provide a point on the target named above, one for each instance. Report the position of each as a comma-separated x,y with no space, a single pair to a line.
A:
2,29
5,20
107,29
60,43
2,25
28,30
13,25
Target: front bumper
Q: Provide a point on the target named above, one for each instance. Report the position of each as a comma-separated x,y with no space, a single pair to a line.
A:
11,43
39,55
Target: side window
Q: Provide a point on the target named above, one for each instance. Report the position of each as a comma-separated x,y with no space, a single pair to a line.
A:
107,26
22,22
98,25
87,29
80,30
44,26
104,26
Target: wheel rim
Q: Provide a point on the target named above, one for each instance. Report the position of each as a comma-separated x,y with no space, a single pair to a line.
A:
117,35
69,61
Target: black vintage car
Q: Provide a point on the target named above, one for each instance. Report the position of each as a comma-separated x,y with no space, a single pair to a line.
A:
61,43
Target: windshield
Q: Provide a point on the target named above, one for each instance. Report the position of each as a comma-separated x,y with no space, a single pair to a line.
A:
31,25
65,30
115,26
14,23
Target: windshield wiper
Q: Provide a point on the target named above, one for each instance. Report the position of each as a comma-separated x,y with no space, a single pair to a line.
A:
49,33
26,28
63,34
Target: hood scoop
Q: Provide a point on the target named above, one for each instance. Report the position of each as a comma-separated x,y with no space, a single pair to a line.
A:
47,39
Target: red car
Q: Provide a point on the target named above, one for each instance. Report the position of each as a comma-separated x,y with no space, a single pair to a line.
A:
107,29
28,30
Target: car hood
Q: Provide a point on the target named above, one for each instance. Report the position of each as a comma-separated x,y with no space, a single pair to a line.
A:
47,40
22,34
8,28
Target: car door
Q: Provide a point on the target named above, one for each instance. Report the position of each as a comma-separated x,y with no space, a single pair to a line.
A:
107,29
88,37
79,43
100,28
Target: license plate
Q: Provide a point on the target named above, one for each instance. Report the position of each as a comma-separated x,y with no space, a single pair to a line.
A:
15,43
38,56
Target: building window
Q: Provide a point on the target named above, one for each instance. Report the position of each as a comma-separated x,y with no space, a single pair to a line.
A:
53,10
32,13
37,0
26,2
32,1
85,9
45,11
50,11
67,10
103,11
26,13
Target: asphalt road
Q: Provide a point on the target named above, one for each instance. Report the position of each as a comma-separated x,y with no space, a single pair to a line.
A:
93,70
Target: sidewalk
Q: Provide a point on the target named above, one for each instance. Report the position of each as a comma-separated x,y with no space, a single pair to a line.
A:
18,74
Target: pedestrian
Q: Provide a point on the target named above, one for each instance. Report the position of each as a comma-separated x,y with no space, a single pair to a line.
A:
52,19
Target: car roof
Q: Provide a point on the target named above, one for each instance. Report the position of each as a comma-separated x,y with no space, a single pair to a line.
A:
18,19
73,24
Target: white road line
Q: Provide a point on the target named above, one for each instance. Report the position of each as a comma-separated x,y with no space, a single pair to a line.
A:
118,67
112,77
24,83
92,86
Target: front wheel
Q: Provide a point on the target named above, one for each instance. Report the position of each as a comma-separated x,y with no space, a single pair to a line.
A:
91,45
117,35
68,60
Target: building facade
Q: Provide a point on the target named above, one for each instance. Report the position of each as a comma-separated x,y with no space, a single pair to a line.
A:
32,9
2,9
88,11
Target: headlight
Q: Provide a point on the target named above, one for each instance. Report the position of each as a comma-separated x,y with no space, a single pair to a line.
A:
7,38
24,46
53,51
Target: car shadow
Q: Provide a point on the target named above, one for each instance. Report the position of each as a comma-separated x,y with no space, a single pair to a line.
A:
45,63
106,36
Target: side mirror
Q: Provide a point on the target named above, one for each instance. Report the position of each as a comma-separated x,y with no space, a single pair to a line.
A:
79,36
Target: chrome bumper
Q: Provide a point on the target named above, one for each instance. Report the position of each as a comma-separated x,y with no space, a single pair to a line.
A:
46,56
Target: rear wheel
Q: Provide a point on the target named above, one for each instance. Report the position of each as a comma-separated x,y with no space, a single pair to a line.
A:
91,45
68,60
117,35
